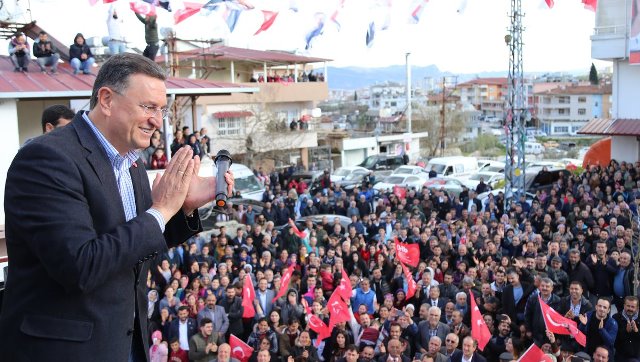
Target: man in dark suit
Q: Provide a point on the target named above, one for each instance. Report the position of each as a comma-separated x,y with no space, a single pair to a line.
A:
82,223
515,296
472,200
183,328
469,346
394,352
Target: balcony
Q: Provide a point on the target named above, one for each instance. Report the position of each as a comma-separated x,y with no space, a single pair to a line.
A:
609,39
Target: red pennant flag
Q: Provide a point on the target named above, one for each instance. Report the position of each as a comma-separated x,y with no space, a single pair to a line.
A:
269,18
106,1
344,288
549,3
188,10
338,310
143,8
559,324
479,330
590,4
296,231
400,192
534,354
248,296
239,349
284,282
411,283
408,253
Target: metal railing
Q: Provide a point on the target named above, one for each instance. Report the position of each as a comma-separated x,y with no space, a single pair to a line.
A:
611,30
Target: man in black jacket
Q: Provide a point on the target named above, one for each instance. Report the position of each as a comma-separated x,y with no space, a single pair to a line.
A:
628,338
233,306
515,295
45,53
533,314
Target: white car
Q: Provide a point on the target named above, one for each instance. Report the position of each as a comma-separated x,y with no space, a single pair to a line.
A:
493,166
490,178
408,181
343,172
409,170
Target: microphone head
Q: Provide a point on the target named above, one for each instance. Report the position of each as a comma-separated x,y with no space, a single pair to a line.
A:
223,155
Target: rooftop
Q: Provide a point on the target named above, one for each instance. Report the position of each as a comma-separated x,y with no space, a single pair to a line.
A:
612,127
578,90
501,81
65,84
221,52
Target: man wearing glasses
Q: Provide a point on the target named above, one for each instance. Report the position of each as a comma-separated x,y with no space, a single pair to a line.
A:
82,224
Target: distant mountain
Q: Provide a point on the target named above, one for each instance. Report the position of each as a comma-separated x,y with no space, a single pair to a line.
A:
356,77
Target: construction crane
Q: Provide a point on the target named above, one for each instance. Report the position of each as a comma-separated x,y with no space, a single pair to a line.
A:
516,111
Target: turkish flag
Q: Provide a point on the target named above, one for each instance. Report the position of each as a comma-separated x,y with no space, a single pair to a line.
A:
248,296
479,329
143,8
188,10
344,288
411,283
534,354
400,192
316,324
239,349
408,253
338,310
549,3
284,282
590,4
269,18
559,324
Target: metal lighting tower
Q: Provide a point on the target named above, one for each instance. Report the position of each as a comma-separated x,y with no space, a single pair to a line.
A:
515,117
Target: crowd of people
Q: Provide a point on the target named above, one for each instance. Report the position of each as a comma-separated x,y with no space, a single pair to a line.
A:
289,78
573,247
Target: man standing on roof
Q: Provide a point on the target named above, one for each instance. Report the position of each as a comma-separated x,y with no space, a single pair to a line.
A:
150,35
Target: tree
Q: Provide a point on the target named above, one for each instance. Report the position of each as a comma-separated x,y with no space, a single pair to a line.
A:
355,96
428,119
593,75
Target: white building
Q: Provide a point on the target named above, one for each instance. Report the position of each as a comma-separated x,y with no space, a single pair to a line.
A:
616,40
389,96
566,109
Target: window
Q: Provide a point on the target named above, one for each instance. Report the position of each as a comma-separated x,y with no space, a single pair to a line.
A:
561,129
230,126
582,111
582,99
561,111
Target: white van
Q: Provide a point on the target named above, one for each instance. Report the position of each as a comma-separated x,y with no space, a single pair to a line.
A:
455,166
245,181
533,148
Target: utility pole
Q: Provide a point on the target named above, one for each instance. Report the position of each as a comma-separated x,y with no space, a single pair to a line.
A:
515,117
443,129
408,91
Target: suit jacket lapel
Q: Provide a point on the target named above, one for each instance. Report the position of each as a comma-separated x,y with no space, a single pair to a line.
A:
138,188
98,160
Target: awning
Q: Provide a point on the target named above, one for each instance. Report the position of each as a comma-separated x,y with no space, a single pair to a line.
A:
232,114
612,127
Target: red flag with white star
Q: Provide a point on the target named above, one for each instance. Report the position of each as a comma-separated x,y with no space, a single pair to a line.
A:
479,329
248,296
284,282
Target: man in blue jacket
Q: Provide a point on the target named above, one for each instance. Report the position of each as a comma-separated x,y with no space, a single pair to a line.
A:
600,329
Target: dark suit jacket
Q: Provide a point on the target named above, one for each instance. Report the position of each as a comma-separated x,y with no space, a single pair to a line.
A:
384,357
174,329
509,306
457,357
74,259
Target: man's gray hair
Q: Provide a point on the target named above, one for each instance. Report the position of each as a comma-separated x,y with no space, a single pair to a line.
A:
116,71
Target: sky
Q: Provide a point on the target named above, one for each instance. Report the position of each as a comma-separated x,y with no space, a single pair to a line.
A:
458,36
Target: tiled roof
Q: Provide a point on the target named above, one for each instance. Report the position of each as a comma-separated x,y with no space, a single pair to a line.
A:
240,54
65,84
612,127
501,81
578,90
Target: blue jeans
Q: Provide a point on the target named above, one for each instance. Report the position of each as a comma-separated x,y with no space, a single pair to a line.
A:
117,47
84,65
51,60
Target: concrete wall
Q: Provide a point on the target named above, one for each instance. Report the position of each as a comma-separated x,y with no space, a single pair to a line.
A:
625,148
626,78
10,143
30,116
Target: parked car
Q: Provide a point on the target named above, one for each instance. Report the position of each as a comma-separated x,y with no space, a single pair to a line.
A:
408,181
451,185
343,172
493,166
455,166
483,196
490,178
382,162
408,170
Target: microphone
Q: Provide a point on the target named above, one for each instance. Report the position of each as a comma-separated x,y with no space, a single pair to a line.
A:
223,161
